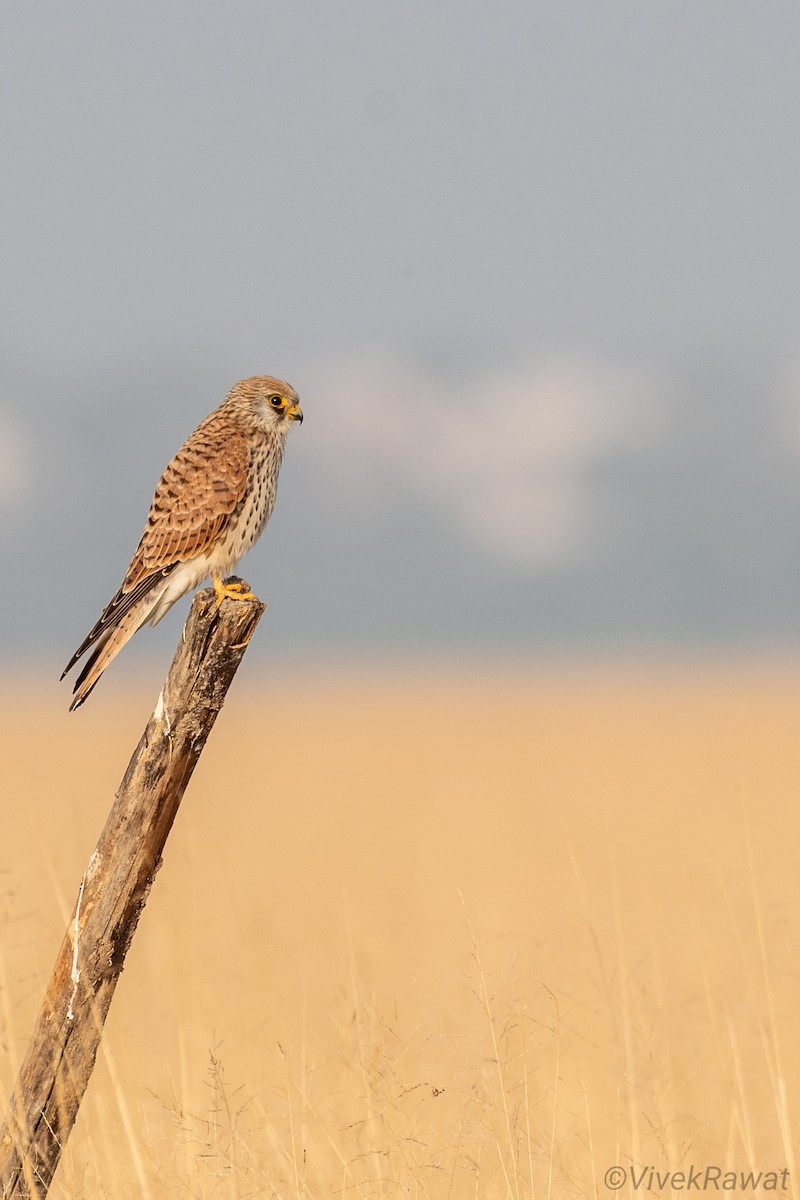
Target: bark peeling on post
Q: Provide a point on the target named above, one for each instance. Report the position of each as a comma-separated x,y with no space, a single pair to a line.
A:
113,892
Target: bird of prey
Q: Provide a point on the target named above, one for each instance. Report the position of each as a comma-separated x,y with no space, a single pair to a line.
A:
211,505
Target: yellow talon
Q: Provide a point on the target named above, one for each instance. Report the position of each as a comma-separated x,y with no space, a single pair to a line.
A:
233,589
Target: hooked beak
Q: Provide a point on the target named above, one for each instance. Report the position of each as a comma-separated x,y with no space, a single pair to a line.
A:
295,413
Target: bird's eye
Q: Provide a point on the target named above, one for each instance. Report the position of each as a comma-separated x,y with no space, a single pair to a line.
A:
277,401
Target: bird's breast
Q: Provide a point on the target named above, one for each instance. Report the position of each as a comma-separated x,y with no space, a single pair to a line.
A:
254,509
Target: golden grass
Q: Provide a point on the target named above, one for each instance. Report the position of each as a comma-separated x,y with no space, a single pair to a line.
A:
443,934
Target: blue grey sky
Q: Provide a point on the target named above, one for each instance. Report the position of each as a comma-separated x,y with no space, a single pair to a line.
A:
533,268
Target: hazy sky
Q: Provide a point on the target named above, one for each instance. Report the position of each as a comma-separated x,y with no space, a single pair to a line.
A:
533,268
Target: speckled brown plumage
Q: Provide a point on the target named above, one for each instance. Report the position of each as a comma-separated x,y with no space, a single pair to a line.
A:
210,506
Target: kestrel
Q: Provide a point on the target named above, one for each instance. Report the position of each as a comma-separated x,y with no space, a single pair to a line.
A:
211,505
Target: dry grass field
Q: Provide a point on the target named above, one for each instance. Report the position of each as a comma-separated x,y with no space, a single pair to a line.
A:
450,933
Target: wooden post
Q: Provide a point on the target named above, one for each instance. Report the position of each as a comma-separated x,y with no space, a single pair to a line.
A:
113,892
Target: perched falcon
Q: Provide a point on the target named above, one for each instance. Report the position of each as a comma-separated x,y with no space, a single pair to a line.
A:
211,505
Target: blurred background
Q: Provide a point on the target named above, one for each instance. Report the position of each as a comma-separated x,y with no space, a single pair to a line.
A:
532,267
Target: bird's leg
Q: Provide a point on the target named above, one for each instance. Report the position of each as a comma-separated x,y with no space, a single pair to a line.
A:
234,589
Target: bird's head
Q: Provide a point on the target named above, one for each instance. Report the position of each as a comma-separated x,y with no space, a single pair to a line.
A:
273,404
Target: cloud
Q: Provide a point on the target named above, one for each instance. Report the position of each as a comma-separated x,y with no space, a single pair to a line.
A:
507,457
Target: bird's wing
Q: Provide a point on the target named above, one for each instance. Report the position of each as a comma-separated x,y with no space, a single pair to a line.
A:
193,503
194,499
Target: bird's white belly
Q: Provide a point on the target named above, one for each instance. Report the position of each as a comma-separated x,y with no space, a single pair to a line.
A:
184,578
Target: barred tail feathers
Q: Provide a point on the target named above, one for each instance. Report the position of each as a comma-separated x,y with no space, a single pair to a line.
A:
123,616
107,649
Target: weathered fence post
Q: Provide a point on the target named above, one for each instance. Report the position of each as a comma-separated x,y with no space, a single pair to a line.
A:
112,894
